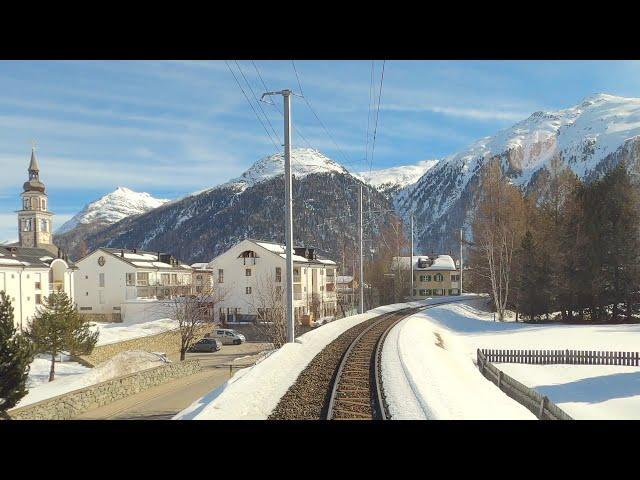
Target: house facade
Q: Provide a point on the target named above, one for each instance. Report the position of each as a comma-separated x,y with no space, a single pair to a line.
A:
433,275
34,267
110,277
250,278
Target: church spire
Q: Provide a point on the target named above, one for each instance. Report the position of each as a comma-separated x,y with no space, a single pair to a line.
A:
33,165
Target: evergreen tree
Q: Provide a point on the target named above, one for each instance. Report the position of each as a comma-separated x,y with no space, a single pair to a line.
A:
16,355
59,327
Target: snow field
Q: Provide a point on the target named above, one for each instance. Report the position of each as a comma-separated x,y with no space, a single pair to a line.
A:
445,383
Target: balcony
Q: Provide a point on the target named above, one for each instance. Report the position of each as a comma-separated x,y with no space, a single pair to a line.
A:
57,286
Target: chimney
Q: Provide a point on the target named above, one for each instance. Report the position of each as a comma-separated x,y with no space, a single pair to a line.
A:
58,252
158,255
122,253
135,250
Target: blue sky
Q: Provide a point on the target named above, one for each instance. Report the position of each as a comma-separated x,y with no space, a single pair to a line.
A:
174,127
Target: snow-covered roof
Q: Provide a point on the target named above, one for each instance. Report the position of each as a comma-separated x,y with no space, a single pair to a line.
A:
434,262
200,266
344,279
326,261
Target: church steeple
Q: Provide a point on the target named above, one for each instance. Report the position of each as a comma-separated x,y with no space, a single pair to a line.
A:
34,220
33,184
34,169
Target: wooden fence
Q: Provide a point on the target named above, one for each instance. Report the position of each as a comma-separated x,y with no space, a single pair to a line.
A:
572,357
535,402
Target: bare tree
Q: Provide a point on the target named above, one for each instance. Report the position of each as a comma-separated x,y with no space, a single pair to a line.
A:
497,229
267,299
194,313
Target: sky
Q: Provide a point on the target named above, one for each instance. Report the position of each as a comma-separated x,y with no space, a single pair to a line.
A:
174,127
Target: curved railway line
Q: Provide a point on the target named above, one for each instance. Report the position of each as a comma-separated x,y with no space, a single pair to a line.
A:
344,381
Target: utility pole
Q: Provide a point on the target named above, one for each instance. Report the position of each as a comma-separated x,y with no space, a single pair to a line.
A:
411,256
288,206
361,279
461,242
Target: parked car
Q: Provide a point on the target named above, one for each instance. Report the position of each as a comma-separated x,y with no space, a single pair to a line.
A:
206,345
227,336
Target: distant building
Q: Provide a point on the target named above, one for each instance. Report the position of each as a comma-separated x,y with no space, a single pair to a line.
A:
202,278
252,276
433,275
33,267
347,290
109,277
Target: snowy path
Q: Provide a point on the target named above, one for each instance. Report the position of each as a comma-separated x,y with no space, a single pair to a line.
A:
429,371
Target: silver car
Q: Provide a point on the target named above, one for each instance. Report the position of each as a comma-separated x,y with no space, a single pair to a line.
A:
227,336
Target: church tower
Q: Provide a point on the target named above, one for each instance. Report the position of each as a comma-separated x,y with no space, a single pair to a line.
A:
34,220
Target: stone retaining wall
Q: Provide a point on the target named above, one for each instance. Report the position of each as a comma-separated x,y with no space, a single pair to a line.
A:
166,342
72,404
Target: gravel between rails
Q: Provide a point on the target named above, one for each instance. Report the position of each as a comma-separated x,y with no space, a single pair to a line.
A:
308,397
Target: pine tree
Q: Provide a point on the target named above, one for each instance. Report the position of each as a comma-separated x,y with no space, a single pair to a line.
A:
59,327
16,355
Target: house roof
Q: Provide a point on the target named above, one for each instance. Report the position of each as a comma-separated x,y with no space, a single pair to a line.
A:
279,249
28,257
434,262
143,259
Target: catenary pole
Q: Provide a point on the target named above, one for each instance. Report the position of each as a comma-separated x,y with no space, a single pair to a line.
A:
461,242
288,216
411,256
361,263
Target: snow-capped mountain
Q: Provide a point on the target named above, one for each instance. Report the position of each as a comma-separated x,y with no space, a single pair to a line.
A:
395,178
112,208
204,224
304,161
600,131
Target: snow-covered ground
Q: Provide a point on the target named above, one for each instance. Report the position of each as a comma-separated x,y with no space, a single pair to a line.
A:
119,332
254,392
41,365
428,369
73,377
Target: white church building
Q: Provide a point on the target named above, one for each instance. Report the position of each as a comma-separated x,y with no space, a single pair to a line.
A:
33,267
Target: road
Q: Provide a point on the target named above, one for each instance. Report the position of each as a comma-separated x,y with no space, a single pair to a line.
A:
162,402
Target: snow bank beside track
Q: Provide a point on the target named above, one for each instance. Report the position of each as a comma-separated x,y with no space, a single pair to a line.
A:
254,392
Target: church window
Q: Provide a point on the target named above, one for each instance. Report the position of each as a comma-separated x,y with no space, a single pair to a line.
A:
44,204
26,225
26,204
44,225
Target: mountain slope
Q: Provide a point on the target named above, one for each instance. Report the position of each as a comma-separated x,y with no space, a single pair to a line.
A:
599,132
203,225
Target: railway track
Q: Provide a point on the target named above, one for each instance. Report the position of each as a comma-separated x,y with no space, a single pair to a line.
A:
344,381
357,392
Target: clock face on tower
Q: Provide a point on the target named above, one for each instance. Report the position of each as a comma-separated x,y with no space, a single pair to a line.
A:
101,261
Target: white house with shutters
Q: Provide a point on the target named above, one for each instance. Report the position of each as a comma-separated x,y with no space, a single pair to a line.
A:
108,278
254,269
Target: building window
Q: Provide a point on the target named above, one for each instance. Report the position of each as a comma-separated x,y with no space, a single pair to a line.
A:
278,290
86,308
44,204
438,277
101,297
278,274
86,294
38,299
143,278
131,279
26,225
247,290
455,278
425,278
44,227
247,272
220,275
101,280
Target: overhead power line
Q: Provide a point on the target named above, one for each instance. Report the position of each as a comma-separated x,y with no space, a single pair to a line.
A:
306,100
252,107
375,130
258,102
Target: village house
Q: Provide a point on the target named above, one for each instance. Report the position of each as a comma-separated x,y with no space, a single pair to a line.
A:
110,279
33,267
202,278
433,275
250,277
